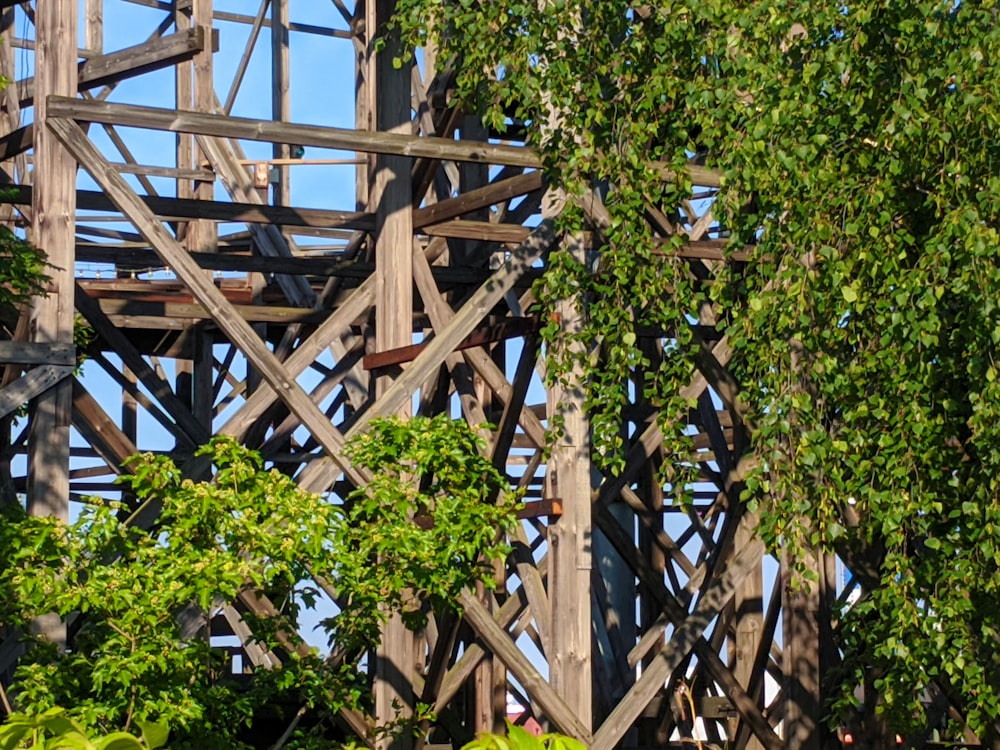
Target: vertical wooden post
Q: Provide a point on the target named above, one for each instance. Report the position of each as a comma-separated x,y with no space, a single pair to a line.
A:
14,170
391,200
364,92
805,634
94,31
281,108
570,664
196,91
54,225
205,237
748,603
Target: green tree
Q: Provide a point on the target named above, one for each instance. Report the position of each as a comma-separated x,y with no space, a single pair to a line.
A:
124,591
859,176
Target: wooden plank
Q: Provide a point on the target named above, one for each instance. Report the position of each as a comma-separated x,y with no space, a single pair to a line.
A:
500,643
396,658
267,238
119,343
53,215
34,353
238,330
569,478
318,136
681,643
31,385
100,430
179,208
473,200
93,16
15,143
52,231
194,311
155,54
281,104
509,328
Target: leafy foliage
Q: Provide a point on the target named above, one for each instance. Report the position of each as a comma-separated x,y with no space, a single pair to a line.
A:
860,172
432,520
124,590
519,738
53,730
126,594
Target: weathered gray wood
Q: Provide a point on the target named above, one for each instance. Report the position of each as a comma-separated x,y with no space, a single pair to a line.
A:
238,331
473,200
33,353
314,135
30,385
267,238
499,642
142,58
391,199
52,315
681,643
117,341
319,474
54,210
569,479
100,430
94,26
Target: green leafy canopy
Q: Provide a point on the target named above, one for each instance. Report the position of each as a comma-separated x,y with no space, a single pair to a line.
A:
856,143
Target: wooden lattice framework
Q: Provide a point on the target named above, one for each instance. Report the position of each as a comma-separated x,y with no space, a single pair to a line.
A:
618,602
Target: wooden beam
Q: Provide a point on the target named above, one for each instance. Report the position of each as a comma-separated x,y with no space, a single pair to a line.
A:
155,54
507,329
31,385
33,353
343,139
100,430
118,342
15,143
681,643
180,208
500,643
473,200
53,216
238,330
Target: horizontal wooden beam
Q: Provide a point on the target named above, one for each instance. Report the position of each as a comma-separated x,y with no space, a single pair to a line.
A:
221,15
30,353
506,329
194,311
155,54
307,266
186,208
317,136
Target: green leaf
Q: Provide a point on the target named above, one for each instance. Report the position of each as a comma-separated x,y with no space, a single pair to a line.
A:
154,735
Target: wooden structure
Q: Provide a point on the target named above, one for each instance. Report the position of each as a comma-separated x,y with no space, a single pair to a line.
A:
222,307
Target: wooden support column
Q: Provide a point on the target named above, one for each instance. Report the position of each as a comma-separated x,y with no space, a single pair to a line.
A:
806,657
53,229
281,108
569,479
749,625
196,92
94,31
391,200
